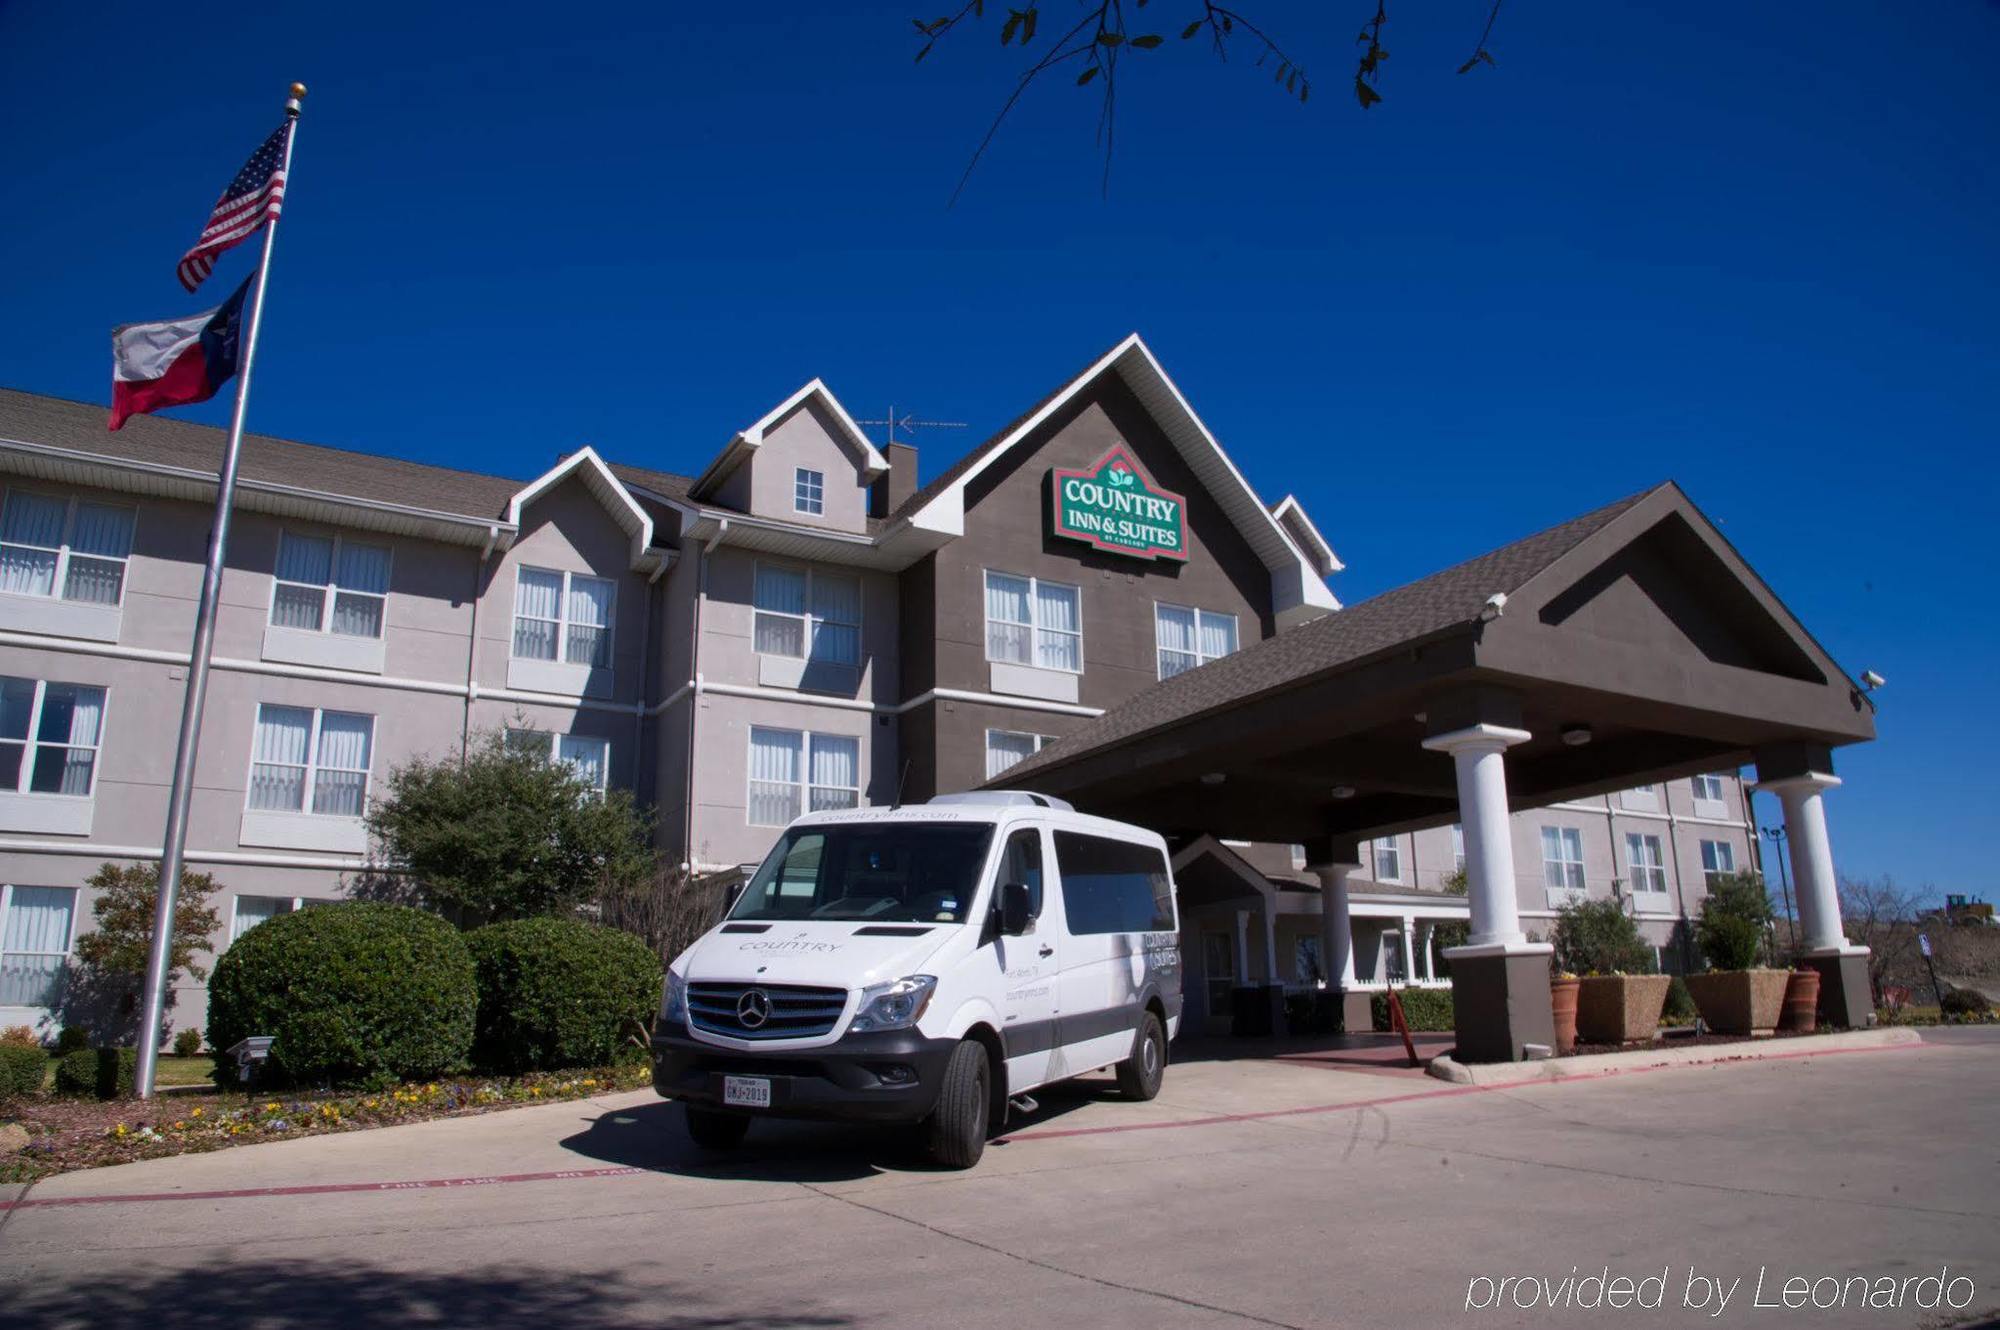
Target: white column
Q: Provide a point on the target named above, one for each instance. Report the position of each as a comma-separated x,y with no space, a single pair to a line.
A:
1242,948
1812,859
1489,846
1408,935
1430,961
1336,927
1271,975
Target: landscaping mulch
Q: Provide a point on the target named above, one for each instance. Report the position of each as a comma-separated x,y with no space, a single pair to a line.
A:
1690,1041
69,1134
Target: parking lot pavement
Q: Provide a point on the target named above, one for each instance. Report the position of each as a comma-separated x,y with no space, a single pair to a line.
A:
1250,1192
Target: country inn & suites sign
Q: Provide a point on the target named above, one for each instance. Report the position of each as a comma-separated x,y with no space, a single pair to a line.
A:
1113,505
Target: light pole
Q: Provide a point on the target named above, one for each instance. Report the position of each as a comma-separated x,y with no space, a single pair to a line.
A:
1777,837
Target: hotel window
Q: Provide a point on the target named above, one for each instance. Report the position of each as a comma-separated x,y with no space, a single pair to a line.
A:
254,910
807,613
1388,860
36,927
590,757
1708,787
68,548
1006,747
563,616
1718,859
1032,622
808,491
49,736
1562,858
311,761
313,570
1189,637
1647,863
792,771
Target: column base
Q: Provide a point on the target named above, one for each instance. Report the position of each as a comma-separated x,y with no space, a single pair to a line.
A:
1500,1001
1846,998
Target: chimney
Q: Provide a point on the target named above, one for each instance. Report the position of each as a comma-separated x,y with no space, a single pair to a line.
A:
894,488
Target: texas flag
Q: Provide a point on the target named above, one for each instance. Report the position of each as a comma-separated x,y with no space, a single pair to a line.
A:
155,365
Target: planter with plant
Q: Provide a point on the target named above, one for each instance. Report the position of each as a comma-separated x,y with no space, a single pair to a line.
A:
1619,997
1739,994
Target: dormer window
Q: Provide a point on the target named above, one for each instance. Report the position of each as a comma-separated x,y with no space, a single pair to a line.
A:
809,491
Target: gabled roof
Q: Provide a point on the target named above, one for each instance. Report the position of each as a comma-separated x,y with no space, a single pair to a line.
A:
1298,591
746,442
585,465
1292,517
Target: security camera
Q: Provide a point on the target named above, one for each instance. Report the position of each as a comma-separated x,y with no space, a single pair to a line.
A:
1495,606
1872,680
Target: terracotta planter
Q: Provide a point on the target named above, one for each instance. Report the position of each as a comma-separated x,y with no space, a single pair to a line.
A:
1620,1008
1562,1000
1802,1001
1740,1001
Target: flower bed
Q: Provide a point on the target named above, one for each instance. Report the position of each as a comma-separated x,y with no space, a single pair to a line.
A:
70,1134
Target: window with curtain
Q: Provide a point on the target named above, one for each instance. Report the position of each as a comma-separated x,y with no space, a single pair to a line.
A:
1033,622
801,612
254,910
306,760
1708,787
588,755
808,491
34,944
74,548
564,616
330,584
1647,862
1188,637
50,734
1006,747
1388,860
1718,859
1562,858
793,771
1458,847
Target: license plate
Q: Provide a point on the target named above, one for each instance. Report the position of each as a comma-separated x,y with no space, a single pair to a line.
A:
746,1091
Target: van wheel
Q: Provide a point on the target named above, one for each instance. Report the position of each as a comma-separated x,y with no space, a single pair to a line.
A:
716,1131
957,1126
1139,1076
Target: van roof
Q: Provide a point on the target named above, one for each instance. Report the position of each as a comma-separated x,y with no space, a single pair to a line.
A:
996,813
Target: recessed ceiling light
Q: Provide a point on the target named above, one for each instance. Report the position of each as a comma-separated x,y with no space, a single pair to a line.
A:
1576,736
1343,791
1213,777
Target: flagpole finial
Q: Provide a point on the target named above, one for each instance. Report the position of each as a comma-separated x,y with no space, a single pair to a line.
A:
292,104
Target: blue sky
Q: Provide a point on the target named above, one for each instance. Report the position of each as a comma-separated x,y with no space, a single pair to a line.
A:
1752,248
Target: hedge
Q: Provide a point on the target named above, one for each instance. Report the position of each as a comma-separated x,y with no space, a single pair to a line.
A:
100,1073
352,993
22,1068
1965,1002
557,993
1424,1008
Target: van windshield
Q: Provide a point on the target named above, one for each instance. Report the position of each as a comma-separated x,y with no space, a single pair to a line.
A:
908,872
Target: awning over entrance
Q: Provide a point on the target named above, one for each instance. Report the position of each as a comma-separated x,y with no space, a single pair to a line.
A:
1631,644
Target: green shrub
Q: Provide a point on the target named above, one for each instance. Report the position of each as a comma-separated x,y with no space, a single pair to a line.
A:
352,993
187,1043
1965,1002
22,1068
1423,1008
558,993
1598,937
71,1039
98,1073
1680,1008
1735,917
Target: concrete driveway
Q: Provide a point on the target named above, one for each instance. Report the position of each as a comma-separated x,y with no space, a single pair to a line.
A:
1252,1192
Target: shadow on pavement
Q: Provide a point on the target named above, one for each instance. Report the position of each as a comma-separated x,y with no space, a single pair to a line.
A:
654,1137
344,1295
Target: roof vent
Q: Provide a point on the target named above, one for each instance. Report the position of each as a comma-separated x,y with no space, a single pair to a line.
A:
1005,799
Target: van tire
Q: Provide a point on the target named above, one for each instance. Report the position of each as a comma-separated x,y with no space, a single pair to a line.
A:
716,1131
1139,1076
957,1126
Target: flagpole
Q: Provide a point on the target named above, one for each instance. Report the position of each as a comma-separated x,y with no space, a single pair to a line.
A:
173,849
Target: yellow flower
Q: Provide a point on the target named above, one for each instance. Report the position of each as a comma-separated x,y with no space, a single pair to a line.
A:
195,1114
272,1107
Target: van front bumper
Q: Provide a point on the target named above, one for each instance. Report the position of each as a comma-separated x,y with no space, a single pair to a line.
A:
891,1076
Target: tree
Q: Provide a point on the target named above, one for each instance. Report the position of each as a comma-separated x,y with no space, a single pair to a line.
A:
1598,937
113,955
668,912
1449,932
1882,917
508,834
1106,33
1735,921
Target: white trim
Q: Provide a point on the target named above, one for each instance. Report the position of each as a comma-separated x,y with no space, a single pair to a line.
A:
331,590
608,489
1201,658
62,549
808,488
1034,624
312,768
95,850
749,440
1289,506
805,784
809,621
236,915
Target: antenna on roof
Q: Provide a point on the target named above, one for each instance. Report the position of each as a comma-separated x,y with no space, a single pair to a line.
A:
908,423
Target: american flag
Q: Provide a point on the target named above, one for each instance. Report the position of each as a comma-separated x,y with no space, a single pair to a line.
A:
253,198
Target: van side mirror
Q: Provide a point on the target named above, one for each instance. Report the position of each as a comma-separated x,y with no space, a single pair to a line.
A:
1015,914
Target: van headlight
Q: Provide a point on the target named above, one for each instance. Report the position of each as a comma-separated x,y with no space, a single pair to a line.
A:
894,1006
674,1004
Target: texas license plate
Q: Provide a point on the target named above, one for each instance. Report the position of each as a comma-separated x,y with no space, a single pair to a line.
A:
746,1091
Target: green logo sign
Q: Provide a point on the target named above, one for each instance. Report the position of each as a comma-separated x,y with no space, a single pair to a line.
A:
1113,505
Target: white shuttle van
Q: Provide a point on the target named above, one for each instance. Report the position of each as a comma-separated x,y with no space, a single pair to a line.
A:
926,964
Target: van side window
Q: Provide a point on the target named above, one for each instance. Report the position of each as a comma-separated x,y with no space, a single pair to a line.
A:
1023,863
1113,886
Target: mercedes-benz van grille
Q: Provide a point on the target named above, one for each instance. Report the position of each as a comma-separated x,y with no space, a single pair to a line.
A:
786,1011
